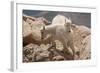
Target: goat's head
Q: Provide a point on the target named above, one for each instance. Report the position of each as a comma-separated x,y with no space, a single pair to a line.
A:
67,24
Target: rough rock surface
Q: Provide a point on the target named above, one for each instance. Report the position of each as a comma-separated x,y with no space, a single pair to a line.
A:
35,51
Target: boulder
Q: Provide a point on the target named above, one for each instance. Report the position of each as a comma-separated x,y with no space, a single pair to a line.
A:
86,50
58,58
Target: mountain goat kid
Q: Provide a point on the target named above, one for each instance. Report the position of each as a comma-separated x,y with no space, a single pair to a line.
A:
60,29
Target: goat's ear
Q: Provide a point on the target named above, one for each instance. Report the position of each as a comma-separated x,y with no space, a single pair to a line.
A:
69,18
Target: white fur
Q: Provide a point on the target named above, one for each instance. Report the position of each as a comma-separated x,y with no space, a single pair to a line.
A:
59,30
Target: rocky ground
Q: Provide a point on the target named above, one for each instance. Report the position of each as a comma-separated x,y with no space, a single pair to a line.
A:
36,51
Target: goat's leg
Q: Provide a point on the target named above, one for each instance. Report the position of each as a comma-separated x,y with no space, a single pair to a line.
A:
65,50
73,49
53,44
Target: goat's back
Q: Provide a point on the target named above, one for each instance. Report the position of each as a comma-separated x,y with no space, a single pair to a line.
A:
59,19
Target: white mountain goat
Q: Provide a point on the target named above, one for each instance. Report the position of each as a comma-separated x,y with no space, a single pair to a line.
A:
60,29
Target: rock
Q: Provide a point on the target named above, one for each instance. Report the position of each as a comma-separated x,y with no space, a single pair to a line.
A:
35,50
86,50
28,49
58,58
80,32
36,35
46,22
31,30
26,29
42,54
30,39
28,18
28,53
25,59
59,45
